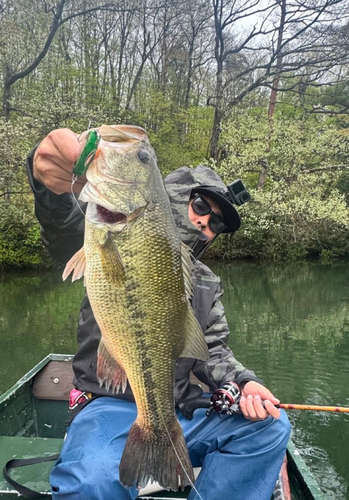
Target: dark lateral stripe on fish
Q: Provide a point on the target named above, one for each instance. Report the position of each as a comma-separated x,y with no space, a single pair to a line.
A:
137,316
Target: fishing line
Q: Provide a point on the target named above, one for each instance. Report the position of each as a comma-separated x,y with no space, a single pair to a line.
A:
180,461
74,179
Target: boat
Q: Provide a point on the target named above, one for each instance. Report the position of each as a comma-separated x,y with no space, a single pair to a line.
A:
32,424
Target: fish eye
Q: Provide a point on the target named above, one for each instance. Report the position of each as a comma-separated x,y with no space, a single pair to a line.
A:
144,156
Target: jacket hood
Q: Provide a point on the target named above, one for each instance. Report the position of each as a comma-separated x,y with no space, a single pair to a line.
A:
179,186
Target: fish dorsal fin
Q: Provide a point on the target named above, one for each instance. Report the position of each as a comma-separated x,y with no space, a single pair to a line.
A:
109,371
76,265
188,267
195,343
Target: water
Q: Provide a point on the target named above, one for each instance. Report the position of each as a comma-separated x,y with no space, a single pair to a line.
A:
38,315
290,324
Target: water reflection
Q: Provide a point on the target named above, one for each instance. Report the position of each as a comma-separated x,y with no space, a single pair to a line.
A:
290,324
38,315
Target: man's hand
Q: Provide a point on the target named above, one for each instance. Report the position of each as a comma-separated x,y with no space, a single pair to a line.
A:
252,396
54,161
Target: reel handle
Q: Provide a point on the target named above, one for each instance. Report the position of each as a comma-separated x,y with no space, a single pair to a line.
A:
188,407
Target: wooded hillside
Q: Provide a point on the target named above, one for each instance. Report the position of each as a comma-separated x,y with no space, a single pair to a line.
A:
257,89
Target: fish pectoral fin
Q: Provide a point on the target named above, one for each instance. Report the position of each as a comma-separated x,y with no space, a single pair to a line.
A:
116,252
102,237
109,371
76,265
195,343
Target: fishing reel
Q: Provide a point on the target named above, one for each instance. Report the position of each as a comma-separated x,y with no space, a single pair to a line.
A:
225,399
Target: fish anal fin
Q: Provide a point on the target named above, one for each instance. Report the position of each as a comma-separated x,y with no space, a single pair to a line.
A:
76,265
161,457
195,343
109,371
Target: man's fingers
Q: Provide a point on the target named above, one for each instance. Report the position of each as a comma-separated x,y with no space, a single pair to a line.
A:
57,180
62,183
54,161
259,408
271,409
60,149
261,404
270,397
67,144
264,393
48,155
254,408
247,408
242,403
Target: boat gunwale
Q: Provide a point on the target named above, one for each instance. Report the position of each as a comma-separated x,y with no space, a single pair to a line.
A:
302,472
32,372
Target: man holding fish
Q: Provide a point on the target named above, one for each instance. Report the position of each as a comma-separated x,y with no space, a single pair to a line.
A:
151,316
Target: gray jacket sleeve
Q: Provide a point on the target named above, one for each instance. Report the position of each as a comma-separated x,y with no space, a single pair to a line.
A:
61,220
221,366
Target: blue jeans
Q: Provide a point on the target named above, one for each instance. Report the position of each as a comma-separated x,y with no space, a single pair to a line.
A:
240,459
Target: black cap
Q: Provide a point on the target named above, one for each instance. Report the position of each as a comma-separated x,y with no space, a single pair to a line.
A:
230,215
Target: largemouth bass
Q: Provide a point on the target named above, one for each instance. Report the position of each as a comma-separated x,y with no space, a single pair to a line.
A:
138,280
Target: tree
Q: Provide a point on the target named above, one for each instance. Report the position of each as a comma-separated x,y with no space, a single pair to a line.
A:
302,210
54,17
290,39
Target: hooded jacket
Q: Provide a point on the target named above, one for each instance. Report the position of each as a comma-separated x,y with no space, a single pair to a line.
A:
62,232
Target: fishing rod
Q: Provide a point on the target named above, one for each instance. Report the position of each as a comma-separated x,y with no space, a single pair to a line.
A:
225,401
335,409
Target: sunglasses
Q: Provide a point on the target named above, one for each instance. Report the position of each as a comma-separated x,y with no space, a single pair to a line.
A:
202,207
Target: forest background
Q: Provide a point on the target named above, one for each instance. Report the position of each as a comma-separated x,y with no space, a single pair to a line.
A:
256,89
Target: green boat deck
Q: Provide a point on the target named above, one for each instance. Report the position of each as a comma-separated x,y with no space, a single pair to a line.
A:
32,424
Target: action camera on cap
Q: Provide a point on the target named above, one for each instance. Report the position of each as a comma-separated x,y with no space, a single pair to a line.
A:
237,193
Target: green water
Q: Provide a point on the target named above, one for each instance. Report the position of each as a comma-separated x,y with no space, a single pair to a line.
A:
290,324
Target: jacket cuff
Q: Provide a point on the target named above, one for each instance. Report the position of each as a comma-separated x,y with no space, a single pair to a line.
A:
245,377
48,200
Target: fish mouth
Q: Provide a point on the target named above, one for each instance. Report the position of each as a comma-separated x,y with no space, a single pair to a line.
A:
98,214
101,210
106,216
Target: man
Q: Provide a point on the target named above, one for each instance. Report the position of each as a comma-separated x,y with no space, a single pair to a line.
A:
240,455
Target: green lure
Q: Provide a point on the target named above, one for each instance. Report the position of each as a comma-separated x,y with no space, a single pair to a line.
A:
88,153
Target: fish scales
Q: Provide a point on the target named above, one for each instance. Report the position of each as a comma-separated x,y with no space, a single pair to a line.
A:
136,286
141,303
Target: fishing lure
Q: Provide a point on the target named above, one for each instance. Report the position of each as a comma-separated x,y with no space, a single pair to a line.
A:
88,153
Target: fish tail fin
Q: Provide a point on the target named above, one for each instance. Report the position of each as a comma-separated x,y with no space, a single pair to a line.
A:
161,457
